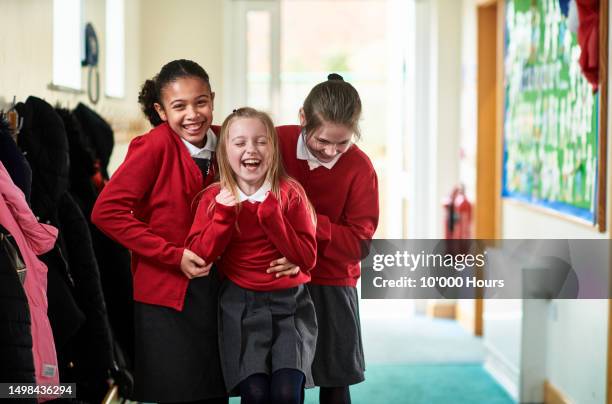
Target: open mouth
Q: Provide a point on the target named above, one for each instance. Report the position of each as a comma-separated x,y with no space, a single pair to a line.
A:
251,164
193,128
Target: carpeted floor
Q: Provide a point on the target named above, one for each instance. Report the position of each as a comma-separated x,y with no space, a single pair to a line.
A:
425,384
416,340
418,360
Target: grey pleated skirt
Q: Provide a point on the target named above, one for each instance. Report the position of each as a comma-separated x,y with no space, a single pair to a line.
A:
262,332
339,357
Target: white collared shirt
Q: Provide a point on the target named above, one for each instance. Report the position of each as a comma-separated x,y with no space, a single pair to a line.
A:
206,151
303,153
258,196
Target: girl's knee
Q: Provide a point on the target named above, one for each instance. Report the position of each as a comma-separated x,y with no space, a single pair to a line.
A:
286,395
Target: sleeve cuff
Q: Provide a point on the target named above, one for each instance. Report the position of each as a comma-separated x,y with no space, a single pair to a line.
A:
224,213
178,256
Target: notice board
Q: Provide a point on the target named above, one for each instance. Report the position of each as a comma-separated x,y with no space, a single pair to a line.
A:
551,123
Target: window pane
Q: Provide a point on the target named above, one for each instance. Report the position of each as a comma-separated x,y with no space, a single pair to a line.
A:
346,37
115,48
67,34
259,60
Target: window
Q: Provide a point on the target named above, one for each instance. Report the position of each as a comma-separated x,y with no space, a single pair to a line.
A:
259,75
115,48
67,40
252,56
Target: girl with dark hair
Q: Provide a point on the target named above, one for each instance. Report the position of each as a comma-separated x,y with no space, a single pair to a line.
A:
147,207
254,215
342,185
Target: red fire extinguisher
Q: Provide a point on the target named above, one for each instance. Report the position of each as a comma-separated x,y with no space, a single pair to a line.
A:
458,215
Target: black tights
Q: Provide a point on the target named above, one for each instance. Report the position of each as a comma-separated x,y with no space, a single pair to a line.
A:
335,395
284,386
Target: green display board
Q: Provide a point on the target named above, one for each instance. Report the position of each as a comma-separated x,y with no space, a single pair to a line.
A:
550,116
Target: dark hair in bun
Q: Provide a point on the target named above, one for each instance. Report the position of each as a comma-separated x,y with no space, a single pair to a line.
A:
150,92
334,101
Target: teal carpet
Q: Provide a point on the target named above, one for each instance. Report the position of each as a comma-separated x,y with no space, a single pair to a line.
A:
425,384
422,384
421,360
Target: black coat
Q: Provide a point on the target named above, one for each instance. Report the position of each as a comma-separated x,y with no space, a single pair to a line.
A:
99,133
113,259
17,364
82,334
14,161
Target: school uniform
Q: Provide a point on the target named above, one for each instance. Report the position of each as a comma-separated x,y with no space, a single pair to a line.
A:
344,193
265,323
148,207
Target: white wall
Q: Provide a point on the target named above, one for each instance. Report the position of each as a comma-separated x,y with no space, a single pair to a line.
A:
577,349
502,331
26,58
446,63
433,134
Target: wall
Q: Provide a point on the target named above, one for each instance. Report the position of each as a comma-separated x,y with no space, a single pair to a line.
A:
571,325
192,29
26,58
446,63
433,134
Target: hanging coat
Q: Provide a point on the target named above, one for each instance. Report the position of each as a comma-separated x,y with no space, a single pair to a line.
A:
17,364
588,39
99,133
14,161
113,259
83,335
33,239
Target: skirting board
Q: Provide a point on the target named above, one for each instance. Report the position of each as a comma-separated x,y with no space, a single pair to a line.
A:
553,396
504,373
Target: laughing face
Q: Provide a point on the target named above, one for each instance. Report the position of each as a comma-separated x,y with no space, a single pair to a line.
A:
328,141
187,106
249,152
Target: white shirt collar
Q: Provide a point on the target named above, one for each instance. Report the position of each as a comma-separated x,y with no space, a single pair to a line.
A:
258,196
206,151
303,153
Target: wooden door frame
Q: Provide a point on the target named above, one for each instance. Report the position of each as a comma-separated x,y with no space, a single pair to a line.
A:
489,82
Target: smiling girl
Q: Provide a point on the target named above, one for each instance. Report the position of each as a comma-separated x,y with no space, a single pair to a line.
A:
342,185
253,216
146,206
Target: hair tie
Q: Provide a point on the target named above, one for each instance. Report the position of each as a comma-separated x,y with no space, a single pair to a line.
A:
335,76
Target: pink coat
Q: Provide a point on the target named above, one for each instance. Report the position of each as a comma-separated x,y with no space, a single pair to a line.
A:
33,239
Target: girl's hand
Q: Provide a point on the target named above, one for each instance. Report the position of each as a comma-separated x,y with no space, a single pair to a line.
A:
194,266
282,267
226,198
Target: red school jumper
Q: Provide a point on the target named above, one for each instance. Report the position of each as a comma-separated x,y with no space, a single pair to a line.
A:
147,206
248,239
345,198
